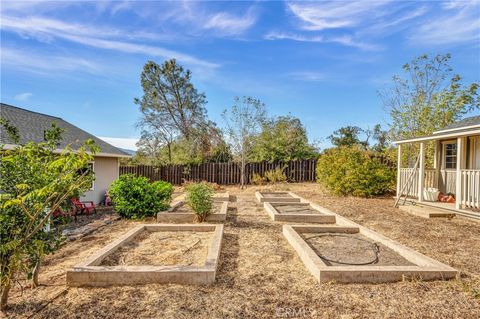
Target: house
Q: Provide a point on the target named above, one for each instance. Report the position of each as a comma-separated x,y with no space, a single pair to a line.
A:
455,168
32,126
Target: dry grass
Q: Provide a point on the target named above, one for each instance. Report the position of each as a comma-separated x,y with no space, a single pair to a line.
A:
260,276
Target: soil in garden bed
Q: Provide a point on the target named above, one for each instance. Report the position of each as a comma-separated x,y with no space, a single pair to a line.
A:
338,249
163,248
276,195
185,208
292,209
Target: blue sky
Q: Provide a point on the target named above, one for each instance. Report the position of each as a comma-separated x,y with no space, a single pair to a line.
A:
323,62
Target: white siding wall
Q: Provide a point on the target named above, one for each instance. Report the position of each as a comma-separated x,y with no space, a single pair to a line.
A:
106,171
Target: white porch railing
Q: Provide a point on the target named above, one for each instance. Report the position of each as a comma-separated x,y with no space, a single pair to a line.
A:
471,188
431,180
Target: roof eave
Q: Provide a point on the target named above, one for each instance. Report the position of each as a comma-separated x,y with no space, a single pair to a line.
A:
439,136
59,150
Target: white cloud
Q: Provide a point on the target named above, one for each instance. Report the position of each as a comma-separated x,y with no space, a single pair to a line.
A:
459,22
126,143
46,63
346,40
292,36
230,24
47,30
308,76
22,97
335,14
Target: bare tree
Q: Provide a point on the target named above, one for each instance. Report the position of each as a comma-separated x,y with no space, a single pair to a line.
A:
243,123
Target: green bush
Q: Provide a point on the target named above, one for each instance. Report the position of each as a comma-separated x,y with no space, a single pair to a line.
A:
200,199
276,176
353,171
136,198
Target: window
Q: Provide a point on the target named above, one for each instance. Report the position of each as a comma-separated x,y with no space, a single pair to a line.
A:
450,155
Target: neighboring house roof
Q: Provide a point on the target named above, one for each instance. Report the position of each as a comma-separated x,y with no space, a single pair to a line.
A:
32,126
465,127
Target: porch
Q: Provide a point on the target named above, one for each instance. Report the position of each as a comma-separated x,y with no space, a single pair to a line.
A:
454,170
446,182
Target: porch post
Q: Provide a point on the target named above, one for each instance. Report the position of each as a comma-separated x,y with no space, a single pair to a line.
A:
437,162
399,166
421,172
458,179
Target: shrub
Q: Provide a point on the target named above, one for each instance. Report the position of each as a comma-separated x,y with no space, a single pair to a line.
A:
163,190
200,199
276,176
136,198
353,171
214,186
257,179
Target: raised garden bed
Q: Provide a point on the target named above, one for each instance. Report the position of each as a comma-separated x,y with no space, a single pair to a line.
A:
277,197
154,253
223,197
180,212
217,197
297,213
354,254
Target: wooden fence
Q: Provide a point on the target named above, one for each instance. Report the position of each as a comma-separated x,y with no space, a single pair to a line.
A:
222,173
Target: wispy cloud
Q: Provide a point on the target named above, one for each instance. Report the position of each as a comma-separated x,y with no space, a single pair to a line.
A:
307,76
46,63
458,23
274,35
230,24
335,14
22,97
345,40
47,30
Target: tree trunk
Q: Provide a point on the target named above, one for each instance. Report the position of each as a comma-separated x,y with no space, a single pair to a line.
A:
169,153
36,271
242,174
4,294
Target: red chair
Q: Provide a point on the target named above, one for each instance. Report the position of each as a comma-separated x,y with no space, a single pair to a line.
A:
84,207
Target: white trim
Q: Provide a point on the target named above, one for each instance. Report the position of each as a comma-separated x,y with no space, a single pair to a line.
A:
59,150
444,155
457,128
438,137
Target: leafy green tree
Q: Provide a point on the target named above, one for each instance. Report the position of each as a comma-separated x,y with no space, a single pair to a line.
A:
346,136
244,121
428,97
282,139
35,181
382,137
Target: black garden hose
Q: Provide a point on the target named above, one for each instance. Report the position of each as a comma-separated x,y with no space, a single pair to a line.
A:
375,248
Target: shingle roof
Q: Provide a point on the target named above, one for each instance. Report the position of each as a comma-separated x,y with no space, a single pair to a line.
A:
466,122
32,125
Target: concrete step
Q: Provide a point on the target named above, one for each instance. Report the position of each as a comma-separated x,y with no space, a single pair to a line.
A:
426,211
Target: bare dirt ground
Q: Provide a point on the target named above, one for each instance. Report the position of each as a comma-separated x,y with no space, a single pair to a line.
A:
166,248
261,276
